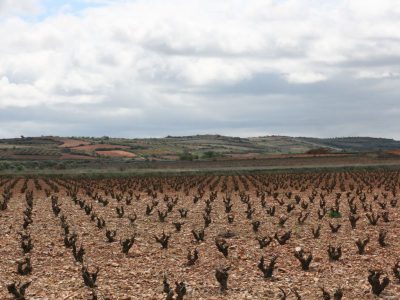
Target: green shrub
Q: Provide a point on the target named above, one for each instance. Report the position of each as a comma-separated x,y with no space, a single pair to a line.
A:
210,154
186,155
334,214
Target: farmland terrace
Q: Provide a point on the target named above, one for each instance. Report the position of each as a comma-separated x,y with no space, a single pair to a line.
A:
201,152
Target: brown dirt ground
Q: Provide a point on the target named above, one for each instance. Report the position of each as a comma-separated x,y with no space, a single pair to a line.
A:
139,274
395,152
116,153
100,146
71,143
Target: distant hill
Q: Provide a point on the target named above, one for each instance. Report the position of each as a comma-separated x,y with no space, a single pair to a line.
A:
172,148
356,144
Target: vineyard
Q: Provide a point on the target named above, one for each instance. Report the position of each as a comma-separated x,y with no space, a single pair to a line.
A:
311,235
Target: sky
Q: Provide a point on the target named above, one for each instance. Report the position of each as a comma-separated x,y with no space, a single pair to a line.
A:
152,68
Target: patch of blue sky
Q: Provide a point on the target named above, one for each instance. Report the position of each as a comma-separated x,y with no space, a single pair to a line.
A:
54,7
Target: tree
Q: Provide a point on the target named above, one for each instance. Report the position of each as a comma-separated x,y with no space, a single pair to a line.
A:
186,155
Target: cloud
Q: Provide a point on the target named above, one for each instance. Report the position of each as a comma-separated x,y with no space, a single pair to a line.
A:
137,68
9,7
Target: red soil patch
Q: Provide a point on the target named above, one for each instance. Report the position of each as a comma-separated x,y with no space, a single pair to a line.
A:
116,153
70,143
395,152
100,146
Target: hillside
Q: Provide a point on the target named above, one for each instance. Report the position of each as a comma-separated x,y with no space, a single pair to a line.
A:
356,144
197,147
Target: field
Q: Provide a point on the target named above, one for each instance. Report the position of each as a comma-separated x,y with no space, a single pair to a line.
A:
263,235
116,153
189,148
205,153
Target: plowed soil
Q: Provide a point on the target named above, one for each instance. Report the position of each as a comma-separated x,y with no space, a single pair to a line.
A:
139,274
395,152
70,143
116,153
100,146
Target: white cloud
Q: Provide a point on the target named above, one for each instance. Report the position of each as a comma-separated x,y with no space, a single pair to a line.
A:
143,56
8,7
18,95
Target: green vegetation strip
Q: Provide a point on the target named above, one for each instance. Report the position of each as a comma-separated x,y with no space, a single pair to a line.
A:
96,173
